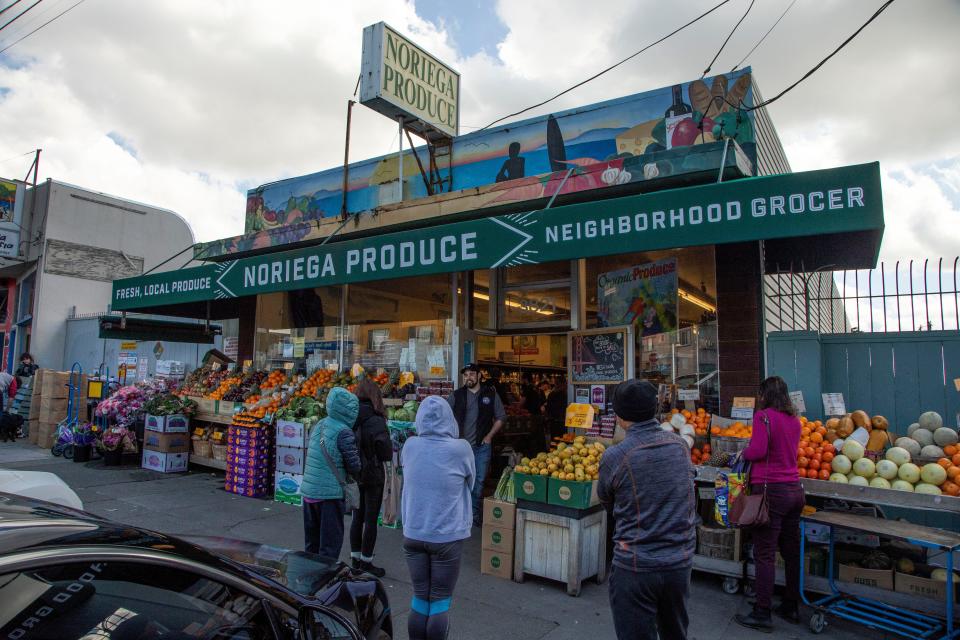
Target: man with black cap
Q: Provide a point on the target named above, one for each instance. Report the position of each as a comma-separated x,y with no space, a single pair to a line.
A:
647,482
480,415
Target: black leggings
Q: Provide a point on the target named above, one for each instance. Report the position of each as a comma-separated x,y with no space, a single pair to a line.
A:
434,569
363,527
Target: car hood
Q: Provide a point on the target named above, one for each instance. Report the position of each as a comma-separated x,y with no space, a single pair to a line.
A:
303,573
39,485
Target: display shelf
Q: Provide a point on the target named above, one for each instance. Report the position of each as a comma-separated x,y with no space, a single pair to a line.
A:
208,462
854,493
819,584
212,417
731,568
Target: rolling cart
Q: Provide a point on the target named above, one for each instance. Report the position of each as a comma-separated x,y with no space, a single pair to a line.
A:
65,430
870,612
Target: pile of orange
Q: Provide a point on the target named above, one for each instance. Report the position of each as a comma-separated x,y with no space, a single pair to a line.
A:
736,430
226,385
699,455
700,420
318,380
952,464
261,412
814,454
274,379
381,378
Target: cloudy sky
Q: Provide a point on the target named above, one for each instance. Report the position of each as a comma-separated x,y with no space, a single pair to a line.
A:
187,104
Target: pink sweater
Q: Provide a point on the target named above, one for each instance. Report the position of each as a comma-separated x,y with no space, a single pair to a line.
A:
781,465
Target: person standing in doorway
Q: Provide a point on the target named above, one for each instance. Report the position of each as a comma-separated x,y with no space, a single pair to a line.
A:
774,470
438,475
479,413
654,528
375,448
323,505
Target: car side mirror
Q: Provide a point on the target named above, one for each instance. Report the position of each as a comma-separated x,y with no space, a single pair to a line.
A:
319,623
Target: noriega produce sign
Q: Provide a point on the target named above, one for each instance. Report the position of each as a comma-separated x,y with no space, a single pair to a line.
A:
812,203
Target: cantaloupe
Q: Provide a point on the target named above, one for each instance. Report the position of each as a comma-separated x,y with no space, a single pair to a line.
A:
901,485
865,467
897,455
909,472
887,469
923,436
931,451
945,436
911,445
913,427
858,481
930,420
838,477
929,489
879,483
933,474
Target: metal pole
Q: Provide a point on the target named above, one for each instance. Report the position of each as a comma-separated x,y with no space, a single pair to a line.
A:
926,302
883,295
346,161
400,157
896,283
913,313
943,324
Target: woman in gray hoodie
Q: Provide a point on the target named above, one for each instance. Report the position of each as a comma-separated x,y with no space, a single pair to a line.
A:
437,514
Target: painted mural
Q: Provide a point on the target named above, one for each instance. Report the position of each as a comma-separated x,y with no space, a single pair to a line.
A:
641,137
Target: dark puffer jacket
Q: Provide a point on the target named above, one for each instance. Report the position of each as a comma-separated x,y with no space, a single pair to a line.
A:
373,441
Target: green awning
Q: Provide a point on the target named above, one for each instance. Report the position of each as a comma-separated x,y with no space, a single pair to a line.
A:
164,330
793,211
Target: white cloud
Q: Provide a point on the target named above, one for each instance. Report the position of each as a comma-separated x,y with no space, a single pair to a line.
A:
218,94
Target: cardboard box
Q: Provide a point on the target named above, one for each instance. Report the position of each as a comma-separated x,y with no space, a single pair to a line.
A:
499,514
572,494
291,459
497,539
167,424
494,563
166,442
287,488
530,487
54,404
51,416
33,431
923,587
877,578
46,434
165,462
291,434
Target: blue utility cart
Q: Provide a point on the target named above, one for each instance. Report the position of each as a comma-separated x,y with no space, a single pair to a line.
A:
873,613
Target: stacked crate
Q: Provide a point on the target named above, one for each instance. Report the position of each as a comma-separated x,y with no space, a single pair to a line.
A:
33,420
291,460
249,459
499,523
51,409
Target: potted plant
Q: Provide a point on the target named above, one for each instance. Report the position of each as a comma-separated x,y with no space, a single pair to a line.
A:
84,437
114,442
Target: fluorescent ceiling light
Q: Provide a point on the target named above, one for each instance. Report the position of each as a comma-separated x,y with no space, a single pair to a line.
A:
700,302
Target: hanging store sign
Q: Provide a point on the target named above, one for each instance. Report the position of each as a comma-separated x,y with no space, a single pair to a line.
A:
812,203
398,78
11,216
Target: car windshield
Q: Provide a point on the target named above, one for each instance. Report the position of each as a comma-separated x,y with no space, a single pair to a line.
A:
301,572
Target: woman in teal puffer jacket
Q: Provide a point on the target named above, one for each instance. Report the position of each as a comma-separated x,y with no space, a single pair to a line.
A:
323,506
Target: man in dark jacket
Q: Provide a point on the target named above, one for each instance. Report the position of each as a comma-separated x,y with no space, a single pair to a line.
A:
480,415
647,481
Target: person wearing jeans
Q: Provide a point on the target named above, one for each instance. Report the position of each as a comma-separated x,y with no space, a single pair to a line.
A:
438,476
774,470
479,415
646,481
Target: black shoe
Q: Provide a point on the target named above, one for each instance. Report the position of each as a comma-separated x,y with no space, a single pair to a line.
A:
789,611
355,563
372,569
757,619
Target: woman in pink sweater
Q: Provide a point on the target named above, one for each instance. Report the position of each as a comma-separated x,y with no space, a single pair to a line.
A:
773,454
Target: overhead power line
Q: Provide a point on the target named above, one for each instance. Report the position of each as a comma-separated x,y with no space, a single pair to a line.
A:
610,68
24,37
732,31
9,6
19,15
749,53
876,14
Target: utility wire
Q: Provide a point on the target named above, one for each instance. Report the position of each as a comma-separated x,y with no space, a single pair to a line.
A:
882,8
610,68
28,153
20,15
789,6
9,6
22,38
34,19
732,31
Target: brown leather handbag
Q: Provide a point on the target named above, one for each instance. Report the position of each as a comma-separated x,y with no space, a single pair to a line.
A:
751,510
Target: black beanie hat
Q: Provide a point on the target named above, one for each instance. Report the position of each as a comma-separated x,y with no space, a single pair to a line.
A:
635,400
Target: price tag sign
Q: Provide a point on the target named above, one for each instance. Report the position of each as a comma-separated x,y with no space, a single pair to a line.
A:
956,383
688,394
579,416
438,372
833,404
796,397
288,366
218,435
743,408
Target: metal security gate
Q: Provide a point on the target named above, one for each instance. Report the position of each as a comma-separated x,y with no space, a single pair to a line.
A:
897,375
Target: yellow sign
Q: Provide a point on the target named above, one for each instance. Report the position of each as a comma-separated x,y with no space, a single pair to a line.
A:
579,416
438,371
405,378
128,346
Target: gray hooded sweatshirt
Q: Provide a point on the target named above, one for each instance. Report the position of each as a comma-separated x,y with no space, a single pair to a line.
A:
438,476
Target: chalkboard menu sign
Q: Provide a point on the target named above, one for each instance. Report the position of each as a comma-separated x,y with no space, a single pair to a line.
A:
599,355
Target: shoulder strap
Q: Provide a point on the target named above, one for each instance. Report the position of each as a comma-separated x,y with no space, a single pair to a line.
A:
331,464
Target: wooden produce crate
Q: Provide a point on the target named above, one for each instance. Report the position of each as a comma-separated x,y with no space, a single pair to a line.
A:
719,543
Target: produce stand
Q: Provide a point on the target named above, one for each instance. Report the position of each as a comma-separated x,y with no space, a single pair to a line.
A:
870,612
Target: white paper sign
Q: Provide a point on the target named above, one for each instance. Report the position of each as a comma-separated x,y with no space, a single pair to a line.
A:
742,413
796,397
688,394
833,404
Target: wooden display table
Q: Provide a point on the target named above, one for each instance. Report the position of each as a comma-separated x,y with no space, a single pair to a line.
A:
560,547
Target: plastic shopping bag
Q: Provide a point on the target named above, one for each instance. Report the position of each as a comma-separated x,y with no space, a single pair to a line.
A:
729,485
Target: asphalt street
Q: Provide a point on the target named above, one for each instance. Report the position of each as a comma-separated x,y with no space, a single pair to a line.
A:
484,607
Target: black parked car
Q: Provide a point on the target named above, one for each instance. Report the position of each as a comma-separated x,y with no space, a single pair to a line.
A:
70,575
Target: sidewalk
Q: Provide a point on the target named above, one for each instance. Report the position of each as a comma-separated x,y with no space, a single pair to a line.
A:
484,607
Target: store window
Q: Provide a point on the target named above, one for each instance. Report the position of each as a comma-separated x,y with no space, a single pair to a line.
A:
299,330
536,296
670,299
401,324
482,300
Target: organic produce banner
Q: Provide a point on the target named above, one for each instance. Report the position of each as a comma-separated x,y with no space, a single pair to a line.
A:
811,203
644,296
